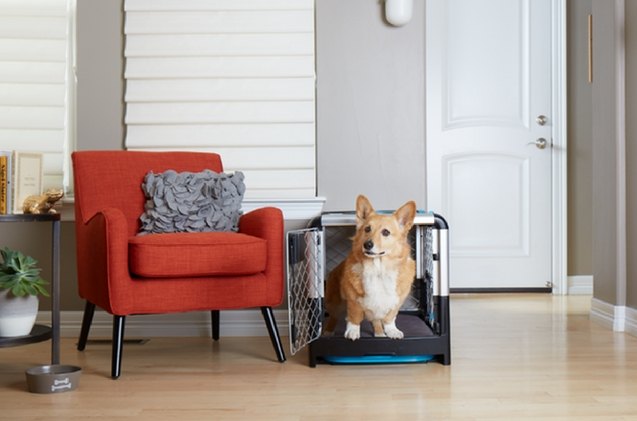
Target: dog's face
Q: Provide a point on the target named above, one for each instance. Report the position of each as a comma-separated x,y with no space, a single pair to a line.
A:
381,235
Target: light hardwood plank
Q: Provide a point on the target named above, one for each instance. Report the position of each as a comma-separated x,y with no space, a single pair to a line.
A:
514,357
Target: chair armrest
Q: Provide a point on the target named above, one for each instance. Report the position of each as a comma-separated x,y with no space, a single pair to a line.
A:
264,222
267,223
103,260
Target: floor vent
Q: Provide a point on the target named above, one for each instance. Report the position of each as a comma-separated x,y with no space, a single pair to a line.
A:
109,341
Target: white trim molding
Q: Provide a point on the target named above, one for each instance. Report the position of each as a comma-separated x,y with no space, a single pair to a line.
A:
232,323
580,285
559,149
618,318
293,209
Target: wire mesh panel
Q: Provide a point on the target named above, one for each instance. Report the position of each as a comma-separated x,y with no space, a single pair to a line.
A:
305,286
427,263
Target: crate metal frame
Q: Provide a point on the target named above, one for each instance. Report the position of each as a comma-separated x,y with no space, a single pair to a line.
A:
424,318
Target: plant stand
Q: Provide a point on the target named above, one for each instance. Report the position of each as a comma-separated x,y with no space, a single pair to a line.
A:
41,333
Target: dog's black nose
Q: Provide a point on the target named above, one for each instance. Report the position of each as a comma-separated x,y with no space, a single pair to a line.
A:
369,244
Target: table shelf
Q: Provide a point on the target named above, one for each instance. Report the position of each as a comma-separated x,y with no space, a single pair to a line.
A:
39,333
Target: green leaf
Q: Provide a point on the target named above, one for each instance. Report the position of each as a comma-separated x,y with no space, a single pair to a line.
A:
20,274
41,290
18,290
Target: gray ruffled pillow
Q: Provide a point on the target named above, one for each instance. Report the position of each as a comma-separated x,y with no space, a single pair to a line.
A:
192,202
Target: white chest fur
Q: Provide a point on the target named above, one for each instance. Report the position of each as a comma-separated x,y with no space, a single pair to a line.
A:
379,282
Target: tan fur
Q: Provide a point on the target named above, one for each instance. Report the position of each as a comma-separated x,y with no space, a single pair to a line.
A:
373,284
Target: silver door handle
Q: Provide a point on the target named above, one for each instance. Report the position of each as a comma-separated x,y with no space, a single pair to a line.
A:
540,143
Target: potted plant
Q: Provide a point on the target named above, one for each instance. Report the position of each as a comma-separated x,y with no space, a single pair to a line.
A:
20,285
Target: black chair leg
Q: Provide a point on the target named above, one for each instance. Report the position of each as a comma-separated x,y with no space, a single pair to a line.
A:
270,322
118,345
87,319
215,324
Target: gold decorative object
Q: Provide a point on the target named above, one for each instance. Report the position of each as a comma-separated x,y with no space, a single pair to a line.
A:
42,203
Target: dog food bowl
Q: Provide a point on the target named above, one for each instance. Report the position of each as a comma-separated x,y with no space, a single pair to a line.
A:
54,378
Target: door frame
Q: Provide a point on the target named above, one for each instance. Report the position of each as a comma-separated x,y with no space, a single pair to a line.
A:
559,150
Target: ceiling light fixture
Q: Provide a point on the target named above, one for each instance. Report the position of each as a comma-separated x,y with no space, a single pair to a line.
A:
398,12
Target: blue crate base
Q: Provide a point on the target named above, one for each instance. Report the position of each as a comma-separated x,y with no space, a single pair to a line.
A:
377,359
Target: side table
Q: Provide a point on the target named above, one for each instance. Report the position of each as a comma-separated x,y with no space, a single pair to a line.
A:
39,332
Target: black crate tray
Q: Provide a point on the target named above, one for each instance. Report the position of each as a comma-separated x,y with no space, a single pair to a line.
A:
419,340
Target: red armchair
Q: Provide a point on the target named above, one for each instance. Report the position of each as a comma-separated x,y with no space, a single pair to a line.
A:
126,274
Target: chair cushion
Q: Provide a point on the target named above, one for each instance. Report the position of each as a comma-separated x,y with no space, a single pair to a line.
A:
196,254
191,202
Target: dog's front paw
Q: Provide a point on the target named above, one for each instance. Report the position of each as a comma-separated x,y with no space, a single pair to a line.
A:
353,331
393,332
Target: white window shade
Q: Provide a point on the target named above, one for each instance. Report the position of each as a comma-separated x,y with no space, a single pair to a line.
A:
35,93
234,77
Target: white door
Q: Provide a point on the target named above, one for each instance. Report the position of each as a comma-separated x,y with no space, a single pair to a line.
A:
489,138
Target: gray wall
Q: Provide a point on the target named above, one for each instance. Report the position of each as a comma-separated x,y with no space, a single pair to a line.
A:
606,267
100,70
631,151
580,143
370,119
370,105
615,274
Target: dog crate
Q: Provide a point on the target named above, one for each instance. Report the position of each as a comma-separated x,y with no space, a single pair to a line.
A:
424,317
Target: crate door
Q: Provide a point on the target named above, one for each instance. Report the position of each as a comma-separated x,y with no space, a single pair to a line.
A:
305,277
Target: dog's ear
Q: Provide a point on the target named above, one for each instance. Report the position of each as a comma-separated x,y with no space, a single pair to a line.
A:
363,210
406,214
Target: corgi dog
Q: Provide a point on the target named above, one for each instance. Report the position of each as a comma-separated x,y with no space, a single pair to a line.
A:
376,276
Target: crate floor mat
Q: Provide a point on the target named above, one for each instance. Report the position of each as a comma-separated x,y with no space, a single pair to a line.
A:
411,326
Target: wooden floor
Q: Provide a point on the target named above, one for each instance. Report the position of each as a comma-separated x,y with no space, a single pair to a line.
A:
514,357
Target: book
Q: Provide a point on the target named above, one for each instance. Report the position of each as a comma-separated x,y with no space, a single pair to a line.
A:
3,184
6,190
26,177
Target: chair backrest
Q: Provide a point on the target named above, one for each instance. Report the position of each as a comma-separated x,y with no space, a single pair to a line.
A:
113,179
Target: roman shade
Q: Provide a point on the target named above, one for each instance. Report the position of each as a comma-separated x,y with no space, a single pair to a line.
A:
231,76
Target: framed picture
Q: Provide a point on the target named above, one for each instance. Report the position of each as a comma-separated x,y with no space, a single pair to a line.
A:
27,177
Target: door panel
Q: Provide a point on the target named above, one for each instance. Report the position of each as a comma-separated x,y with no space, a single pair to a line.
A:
488,79
476,56
478,178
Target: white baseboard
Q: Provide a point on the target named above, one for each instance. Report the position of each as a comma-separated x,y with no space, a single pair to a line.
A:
231,323
618,318
606,314
631,321
580,285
